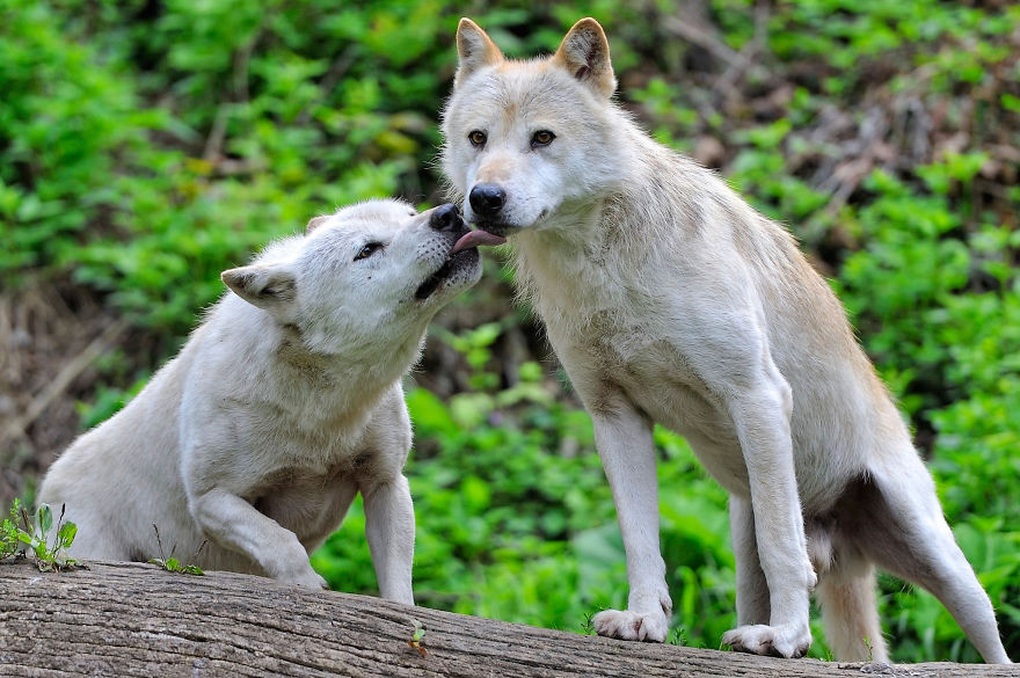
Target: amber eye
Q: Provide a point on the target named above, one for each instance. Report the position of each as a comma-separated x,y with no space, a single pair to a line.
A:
368,250
477,138
542,137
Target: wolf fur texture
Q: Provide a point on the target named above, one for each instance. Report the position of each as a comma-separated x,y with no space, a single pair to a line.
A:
282,406
668,299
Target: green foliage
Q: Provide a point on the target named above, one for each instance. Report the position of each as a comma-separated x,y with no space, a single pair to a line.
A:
264,123
9,541
107,402
417,640
171,563
48,544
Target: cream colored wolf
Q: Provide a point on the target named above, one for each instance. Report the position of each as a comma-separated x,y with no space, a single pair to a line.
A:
282,406
668,299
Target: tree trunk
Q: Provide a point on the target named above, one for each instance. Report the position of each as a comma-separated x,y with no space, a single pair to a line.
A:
128,619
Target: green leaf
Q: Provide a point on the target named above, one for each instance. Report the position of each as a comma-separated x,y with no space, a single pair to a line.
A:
66,534
429,414
45,523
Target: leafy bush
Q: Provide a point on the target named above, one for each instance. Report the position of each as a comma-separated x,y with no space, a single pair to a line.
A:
47,543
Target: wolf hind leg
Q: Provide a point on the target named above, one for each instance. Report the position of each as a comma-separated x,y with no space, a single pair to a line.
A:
908,536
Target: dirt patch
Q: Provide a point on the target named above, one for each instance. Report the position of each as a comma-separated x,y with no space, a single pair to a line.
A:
51,336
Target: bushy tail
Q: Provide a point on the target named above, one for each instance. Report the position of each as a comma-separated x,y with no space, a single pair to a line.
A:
850,615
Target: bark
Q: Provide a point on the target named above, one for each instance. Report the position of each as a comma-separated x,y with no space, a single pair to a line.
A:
127,619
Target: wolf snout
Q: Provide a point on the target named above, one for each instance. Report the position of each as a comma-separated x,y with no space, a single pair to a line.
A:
446,218
487,200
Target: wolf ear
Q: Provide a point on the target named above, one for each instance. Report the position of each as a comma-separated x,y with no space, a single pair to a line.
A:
268,287
584,52
475,50
315,222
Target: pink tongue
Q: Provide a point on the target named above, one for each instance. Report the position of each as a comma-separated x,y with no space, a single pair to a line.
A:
476,238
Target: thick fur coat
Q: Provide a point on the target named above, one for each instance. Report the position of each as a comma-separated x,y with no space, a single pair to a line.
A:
282,406
668,299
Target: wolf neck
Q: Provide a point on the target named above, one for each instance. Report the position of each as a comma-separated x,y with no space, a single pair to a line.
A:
587,251
333,387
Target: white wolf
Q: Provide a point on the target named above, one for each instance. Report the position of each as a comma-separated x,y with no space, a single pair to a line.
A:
668,299
282,406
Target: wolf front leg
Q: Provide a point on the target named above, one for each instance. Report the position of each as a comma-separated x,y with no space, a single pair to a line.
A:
623,436
233,523
752,589
762,418
389,526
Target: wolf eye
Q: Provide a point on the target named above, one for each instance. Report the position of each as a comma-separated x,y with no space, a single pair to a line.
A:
542,137
477,138
368,250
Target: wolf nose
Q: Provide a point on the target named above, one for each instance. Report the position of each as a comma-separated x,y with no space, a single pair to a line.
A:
487,199
445,217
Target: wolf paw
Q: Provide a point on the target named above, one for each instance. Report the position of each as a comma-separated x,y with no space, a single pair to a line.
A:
627,625
306,577
789,640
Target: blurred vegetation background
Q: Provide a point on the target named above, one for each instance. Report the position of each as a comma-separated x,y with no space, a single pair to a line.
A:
146,145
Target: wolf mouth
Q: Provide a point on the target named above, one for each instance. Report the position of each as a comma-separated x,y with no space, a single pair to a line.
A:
479,236
433,282
449,267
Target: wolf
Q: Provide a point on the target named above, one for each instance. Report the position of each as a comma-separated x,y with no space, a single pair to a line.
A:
282,406
668,299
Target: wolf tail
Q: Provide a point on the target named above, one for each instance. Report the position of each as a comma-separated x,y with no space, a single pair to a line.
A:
850,614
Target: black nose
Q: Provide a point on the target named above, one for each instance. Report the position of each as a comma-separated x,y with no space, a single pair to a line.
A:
487,199
445,218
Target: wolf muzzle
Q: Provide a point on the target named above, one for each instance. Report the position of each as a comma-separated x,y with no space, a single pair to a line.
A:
447,218
487,200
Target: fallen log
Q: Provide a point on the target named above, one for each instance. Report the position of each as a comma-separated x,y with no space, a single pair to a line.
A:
129,619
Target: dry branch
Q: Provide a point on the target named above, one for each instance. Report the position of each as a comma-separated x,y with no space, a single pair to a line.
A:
137,620
738,62
68,373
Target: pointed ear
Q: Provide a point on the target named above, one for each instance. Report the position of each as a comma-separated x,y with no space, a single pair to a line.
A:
475,49
315,222
268,287
584,52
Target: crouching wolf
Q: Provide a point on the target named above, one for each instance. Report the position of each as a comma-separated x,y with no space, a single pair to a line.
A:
668,299
282,406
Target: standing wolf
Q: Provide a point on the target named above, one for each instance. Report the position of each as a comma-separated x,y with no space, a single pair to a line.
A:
668,299
281,407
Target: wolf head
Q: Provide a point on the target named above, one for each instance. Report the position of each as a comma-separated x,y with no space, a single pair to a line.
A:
527,141
372,272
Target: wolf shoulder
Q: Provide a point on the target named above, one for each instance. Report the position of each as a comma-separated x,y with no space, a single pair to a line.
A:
692,230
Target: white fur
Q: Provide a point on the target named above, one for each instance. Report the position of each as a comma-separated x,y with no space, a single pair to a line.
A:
668,299
283,405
